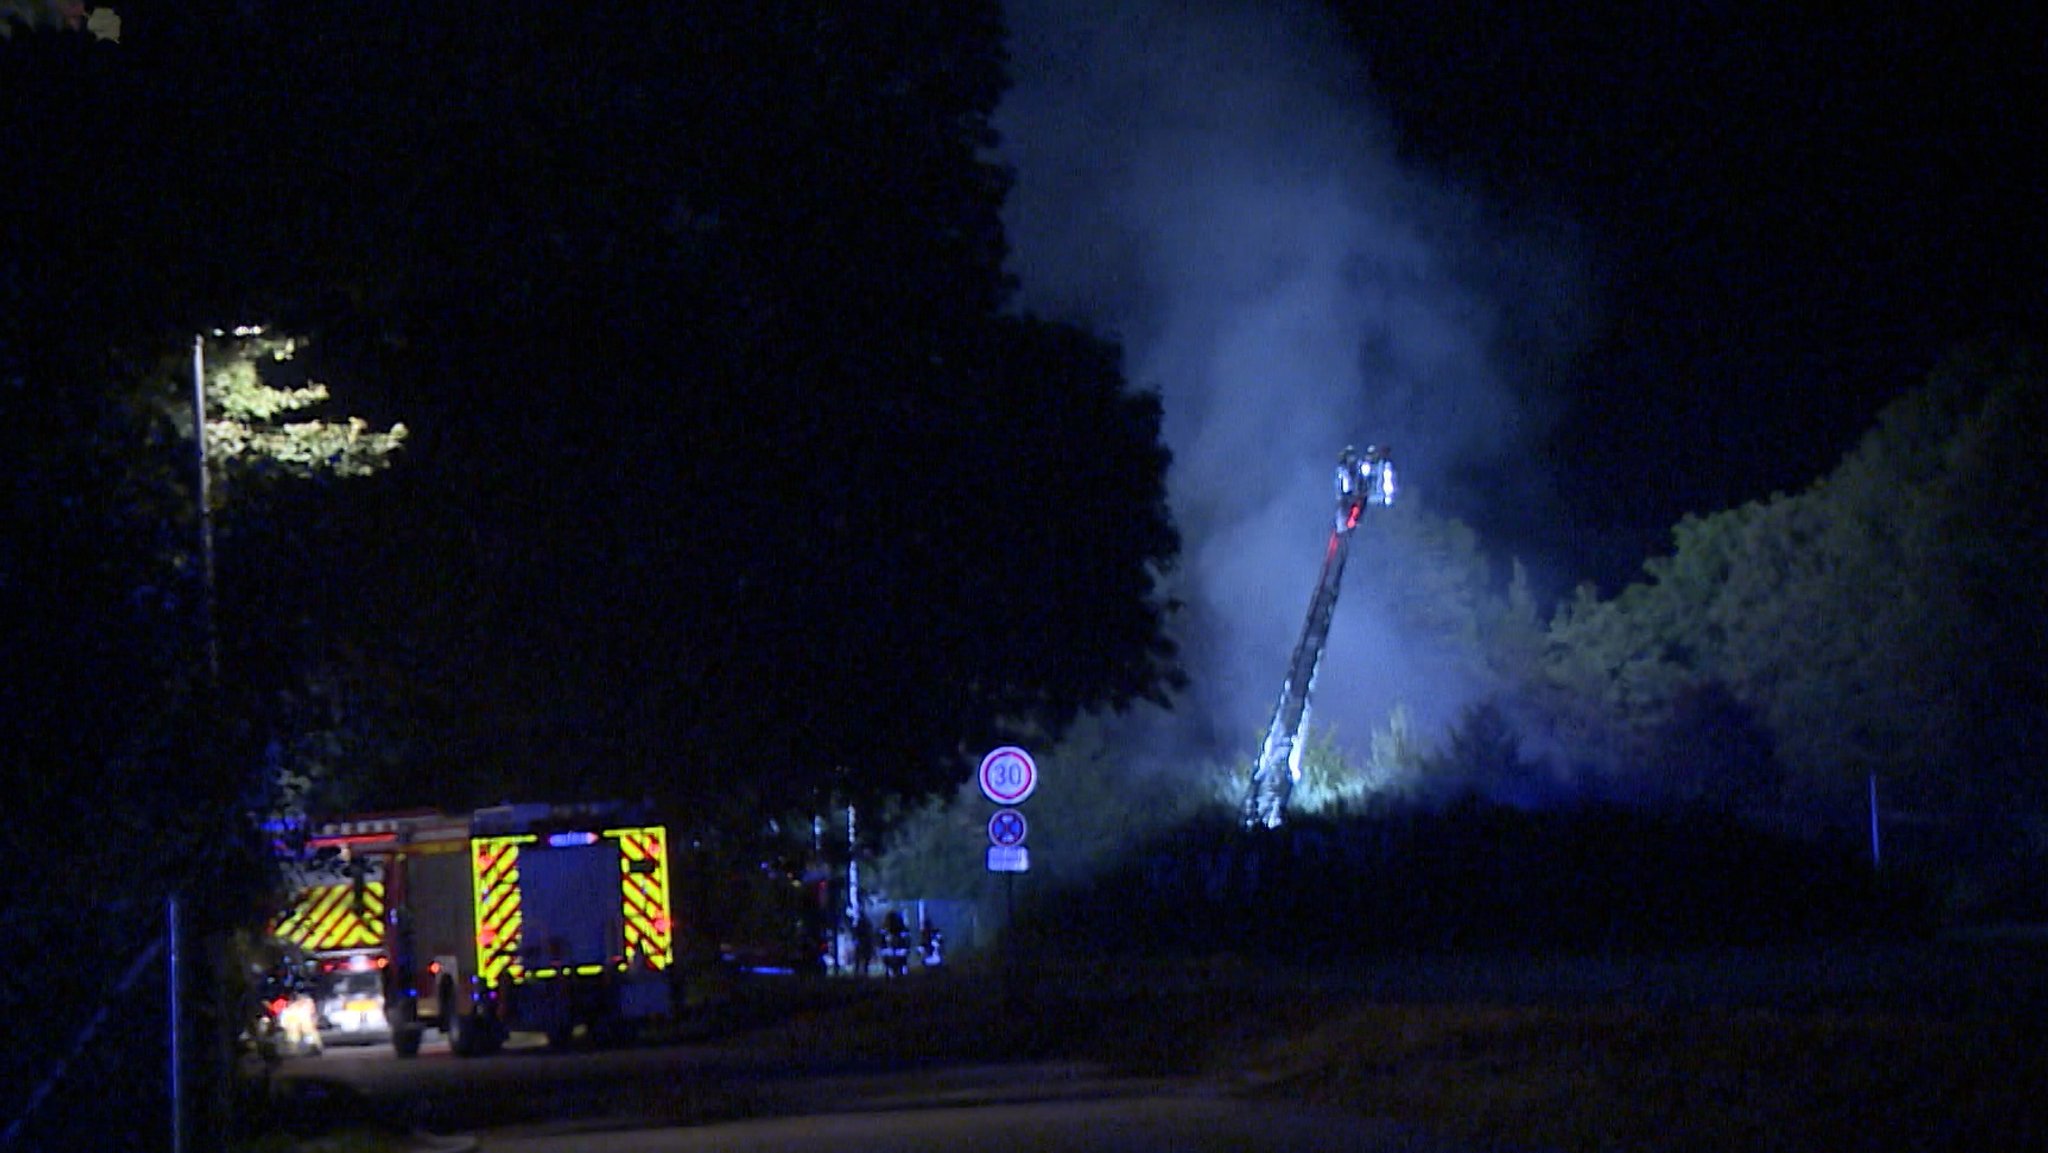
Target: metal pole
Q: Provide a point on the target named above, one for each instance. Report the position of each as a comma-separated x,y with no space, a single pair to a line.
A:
852,870
205,507
1009,976
177,1031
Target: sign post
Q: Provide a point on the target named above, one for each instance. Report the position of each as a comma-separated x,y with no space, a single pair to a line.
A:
1008,777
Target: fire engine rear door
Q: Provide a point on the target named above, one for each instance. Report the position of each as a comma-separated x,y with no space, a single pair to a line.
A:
570,897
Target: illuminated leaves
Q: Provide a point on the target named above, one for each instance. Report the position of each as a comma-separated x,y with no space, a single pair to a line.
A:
100,23
247,433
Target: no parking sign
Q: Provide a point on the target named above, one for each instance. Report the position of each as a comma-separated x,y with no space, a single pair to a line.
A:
1007,827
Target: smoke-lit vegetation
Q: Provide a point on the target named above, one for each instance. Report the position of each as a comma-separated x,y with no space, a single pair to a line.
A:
1589,878
1872,639
1878,624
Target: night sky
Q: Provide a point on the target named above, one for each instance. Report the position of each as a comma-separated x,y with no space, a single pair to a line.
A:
1786,213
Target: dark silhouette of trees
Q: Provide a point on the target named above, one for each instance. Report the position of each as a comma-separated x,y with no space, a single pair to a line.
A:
1883,625
1715,751
731,480
1482,757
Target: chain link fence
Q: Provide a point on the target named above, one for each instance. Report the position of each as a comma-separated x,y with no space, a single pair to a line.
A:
87,1060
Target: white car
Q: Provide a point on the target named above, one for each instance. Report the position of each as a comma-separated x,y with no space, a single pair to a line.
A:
352,1008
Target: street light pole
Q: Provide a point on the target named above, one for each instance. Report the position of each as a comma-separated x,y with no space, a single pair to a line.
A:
173,936
212,634
852,871
205,509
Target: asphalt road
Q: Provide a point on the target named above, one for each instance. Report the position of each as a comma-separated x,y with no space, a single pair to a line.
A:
1150,1124
622,1101
797,1089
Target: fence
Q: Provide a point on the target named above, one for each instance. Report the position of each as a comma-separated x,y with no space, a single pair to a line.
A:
93,1048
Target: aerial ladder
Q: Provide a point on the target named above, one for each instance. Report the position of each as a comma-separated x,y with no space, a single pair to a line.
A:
1364,480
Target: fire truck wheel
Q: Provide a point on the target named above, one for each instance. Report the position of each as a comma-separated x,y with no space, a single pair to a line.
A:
406,1029
467,1036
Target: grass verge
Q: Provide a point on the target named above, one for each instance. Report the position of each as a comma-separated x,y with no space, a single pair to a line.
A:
1862,1050
1719,1079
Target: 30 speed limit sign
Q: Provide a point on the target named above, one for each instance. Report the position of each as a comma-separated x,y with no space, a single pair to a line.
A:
1008,775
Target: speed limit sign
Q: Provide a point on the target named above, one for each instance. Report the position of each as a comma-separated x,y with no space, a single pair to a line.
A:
1008,775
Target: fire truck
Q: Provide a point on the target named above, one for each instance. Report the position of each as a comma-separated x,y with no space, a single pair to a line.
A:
338,910
520,918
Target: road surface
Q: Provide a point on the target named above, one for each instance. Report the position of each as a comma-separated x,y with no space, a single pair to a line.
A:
623,1102
1149,1124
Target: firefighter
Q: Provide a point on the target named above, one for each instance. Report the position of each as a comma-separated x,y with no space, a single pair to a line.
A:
293,1017
300,1020
931,944
895,945
863,945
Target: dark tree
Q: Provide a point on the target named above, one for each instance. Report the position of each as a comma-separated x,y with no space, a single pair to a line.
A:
1879,628
732,480
1482,758
1714,750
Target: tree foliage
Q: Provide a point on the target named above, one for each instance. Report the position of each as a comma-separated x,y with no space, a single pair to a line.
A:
1714,750
767,497
102,23
1329,779
731,479
1090,807
1399,754
1873,624
1482,757
143,768
244,431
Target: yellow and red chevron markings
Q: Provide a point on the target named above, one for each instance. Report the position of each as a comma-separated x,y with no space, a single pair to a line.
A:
643,898
643,889
494,863
329,917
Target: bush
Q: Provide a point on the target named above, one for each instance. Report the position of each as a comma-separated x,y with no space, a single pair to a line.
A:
1474,877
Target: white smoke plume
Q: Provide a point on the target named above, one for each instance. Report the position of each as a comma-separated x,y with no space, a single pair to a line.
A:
1210,183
